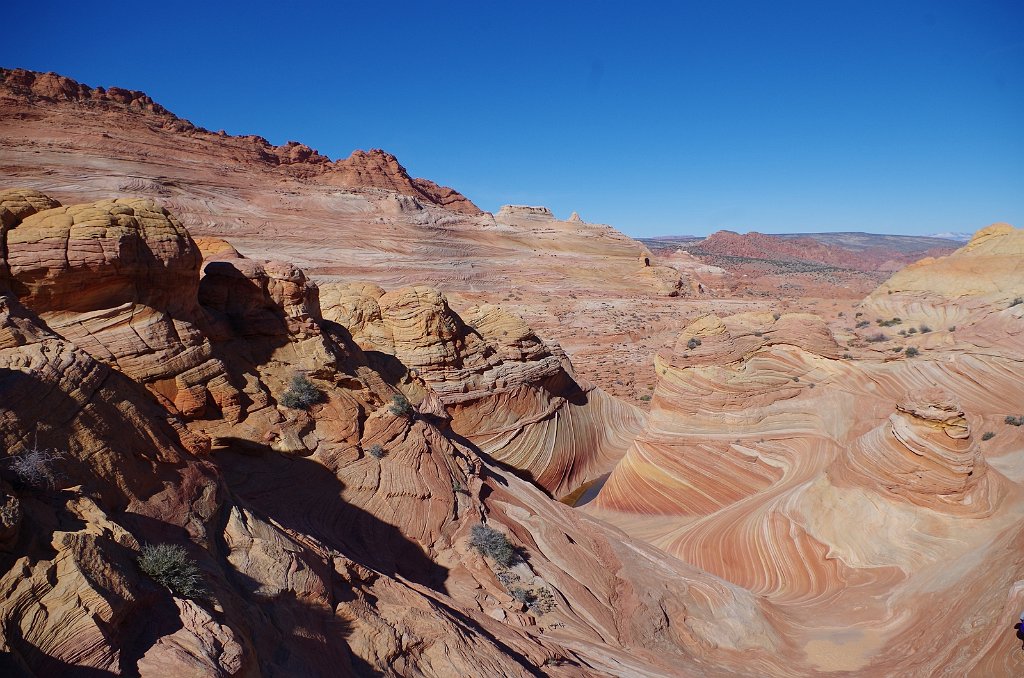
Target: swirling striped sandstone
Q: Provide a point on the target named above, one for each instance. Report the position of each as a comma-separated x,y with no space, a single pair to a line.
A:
923,454
301,557
839,495
508,392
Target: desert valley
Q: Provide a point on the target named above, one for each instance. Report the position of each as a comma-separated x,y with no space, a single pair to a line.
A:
381,431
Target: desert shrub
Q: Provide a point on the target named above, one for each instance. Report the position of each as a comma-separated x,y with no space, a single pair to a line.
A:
912,330
952,328
646,398
902,333
890,322
1015,421
897,349
301,394
863,323
36,467
759,333
848,356
524,596
539,601
857,315
400,406
776,315
494,544
911,352
924,329
171,566
988,435
377,451
875,338
693,343
1017,302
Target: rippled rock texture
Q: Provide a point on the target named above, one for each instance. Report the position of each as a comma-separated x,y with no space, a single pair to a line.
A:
332,536
873,495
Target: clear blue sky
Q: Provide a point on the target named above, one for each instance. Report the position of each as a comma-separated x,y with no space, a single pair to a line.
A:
656,117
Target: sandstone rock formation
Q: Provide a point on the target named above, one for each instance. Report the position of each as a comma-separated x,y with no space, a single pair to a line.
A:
510,394
357,218
319,556
857,492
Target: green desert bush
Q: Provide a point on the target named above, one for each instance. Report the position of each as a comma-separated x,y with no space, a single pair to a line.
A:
1015,421
911,352
377,451
170,565
400,406
494,544
875,338
924,329
301,394
693,343
988,435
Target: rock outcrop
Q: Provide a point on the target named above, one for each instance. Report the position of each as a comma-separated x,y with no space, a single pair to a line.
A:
525,211
510,394
331,537
373,169
843,483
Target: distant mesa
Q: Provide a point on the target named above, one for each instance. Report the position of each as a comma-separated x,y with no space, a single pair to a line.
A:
950,235
525,211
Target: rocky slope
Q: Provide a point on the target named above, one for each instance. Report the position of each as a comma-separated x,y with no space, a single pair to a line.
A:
347,217
332,539
360,218
872,491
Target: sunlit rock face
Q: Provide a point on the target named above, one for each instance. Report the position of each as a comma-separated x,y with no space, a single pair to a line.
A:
331,537
873,494
508,392
923,454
